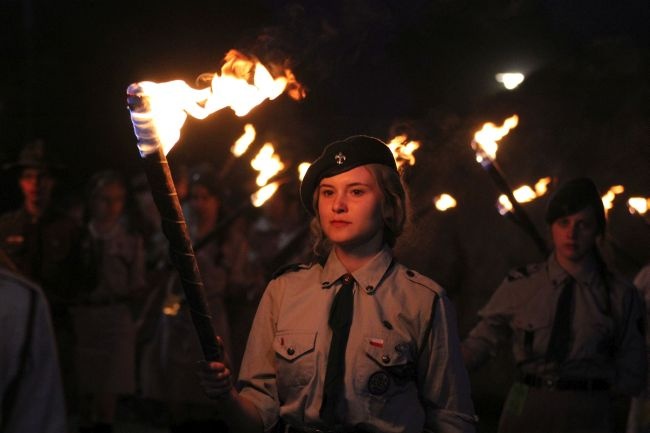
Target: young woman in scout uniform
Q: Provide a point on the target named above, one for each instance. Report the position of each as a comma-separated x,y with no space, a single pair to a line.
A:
576,328
358,343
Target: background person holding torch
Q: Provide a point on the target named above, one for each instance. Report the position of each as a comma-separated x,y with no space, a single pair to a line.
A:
576,329
357,342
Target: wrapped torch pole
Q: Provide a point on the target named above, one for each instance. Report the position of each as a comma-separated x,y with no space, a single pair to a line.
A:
173,221
521,217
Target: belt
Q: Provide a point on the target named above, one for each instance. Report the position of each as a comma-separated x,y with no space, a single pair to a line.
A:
292,429
562,384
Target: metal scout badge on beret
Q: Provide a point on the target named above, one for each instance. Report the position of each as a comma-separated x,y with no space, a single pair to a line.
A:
341,156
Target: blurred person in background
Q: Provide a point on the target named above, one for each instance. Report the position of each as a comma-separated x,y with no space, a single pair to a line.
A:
576,328
169,359
44,244
104,315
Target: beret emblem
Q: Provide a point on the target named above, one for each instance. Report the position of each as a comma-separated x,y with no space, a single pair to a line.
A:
340,158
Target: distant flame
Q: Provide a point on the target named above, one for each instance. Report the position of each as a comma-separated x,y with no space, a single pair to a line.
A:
638,205
444,201
241,145
485,140
402,149
302,170
243,84
608,198
268,163
523,194
260,197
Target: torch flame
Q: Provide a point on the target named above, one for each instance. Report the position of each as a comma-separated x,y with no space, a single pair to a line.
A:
243,84
444,201
302,170
638,205
523,194
268,163
485,140
260,197
241,145
608,198
402,149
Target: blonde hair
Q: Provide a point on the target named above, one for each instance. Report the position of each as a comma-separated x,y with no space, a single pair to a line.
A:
395,209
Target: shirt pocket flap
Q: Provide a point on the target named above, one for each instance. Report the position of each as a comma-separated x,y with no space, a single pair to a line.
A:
388,352
293,344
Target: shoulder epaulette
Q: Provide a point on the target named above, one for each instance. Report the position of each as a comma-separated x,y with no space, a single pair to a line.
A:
522,272
293,267
423,281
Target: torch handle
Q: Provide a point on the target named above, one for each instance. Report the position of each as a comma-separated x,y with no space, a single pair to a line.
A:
519,212
181,252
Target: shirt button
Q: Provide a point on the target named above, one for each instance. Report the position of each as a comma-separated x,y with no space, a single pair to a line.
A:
402,348
370,289
325,283
385,359
291,351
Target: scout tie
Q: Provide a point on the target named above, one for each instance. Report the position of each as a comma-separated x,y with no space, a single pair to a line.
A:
339,321
558,345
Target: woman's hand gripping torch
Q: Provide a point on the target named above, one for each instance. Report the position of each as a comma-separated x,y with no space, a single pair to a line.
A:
173,221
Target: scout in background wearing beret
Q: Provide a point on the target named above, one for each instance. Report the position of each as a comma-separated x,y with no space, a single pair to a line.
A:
357,343
576,329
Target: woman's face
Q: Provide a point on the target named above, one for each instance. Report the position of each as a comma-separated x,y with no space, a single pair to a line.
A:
108,203
349,208
574,236
204,204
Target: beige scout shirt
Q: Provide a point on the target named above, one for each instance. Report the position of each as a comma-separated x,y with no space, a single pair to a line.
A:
607,341
403,370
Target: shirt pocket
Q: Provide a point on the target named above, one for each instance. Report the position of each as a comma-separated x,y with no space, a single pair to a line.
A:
386,367
531,336
294,357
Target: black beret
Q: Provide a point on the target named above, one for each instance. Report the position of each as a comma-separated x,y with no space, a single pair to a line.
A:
574,196
341,156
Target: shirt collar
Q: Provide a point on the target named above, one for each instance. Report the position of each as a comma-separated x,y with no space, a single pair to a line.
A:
558,275
367,277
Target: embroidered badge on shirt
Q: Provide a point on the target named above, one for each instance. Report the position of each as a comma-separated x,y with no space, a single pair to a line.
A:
378,383
377,342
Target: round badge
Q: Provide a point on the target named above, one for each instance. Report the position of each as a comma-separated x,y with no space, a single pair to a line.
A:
378,383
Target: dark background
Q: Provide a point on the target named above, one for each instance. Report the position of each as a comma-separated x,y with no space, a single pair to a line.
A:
370,66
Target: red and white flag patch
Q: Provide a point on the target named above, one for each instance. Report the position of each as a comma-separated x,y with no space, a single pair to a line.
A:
377,342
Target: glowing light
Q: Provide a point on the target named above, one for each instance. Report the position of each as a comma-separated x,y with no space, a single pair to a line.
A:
267,163
638,205
261,196
485,140
241,145
510,80
608,198
523,194
444,201
402,149
302,170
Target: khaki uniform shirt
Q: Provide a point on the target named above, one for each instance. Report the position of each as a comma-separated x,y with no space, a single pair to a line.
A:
403,370
607,327
47,251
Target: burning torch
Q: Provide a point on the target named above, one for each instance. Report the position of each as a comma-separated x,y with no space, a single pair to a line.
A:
158,112
485,145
